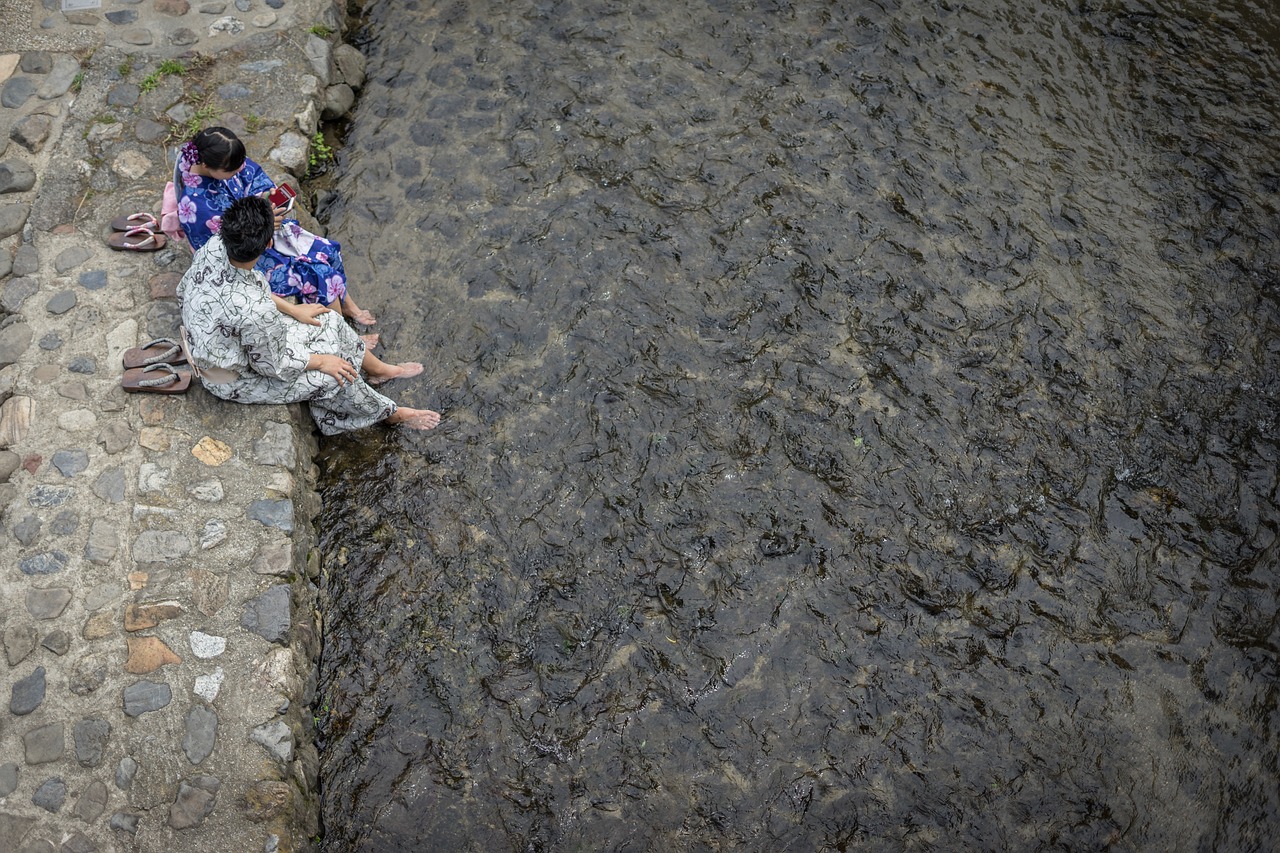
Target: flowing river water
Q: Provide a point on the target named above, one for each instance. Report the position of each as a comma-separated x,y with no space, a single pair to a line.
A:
861,429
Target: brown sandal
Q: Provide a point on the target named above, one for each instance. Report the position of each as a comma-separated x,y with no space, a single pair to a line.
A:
159,351
141,219
156,379
137,240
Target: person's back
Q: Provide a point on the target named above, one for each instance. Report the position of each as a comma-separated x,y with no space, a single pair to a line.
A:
232,316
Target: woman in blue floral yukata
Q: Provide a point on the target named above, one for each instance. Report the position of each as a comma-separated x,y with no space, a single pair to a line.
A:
212,172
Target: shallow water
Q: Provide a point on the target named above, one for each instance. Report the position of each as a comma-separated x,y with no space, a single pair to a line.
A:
860,429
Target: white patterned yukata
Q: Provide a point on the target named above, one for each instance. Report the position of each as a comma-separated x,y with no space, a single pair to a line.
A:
233,324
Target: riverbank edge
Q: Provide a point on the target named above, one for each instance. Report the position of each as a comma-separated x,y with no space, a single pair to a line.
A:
159,557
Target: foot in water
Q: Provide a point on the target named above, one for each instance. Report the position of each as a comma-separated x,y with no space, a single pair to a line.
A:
414,418
356,313
387,372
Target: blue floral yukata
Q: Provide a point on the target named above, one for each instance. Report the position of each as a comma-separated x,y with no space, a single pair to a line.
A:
298,264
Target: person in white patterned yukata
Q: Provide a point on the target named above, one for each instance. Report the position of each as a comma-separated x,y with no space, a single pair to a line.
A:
264,349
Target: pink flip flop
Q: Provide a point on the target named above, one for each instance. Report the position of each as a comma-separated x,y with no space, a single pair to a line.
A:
137,240
141,219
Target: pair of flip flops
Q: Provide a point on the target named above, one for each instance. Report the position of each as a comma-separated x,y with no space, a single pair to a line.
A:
157,367
136,232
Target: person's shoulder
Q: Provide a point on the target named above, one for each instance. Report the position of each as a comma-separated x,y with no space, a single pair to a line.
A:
213,251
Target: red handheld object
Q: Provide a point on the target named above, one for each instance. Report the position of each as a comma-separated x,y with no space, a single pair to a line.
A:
282,196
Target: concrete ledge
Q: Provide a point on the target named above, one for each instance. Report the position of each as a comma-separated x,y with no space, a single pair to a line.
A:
157,559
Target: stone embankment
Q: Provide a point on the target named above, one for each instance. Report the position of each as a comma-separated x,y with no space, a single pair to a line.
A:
157,562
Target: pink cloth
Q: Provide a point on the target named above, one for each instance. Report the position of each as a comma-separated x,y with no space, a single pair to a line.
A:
169,215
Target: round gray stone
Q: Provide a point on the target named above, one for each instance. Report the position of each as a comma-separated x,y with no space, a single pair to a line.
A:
122,17
51,341
70,258
83,364
51,795
16,177
12,218
125,772
338,101
183,36
16,91
27,693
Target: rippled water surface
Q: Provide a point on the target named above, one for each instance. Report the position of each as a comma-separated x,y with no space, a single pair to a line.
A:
860,429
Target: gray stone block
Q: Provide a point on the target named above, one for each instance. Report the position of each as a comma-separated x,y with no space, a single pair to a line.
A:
27,693
269,615
44,744
196,799
90,738
142,697
273,513
201,733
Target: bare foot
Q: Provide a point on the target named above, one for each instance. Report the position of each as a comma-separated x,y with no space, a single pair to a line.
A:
414,418
370,341
394,371
356,313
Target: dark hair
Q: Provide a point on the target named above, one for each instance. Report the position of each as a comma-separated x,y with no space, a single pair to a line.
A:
219,149
247,227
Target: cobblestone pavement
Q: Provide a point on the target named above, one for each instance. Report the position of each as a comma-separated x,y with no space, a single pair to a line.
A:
156,556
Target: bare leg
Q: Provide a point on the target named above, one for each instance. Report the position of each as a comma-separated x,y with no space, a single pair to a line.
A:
355,312
414,418
378,371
